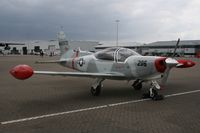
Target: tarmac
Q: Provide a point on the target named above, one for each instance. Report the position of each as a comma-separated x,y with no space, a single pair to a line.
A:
52,104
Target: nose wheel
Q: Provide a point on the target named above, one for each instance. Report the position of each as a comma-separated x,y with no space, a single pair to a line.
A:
153,93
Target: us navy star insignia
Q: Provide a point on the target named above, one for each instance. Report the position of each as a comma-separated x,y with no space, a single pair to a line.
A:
81,62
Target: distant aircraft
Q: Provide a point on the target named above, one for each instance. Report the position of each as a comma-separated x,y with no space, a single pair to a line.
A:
114,63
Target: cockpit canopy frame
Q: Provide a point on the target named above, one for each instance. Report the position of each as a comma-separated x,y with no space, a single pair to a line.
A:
115,54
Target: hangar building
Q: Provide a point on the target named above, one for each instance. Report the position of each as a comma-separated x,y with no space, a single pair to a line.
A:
187,48
50,47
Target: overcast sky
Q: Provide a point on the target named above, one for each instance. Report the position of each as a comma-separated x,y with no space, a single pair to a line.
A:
140,20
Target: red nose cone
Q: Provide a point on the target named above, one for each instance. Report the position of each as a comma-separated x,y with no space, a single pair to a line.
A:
22,72
186,63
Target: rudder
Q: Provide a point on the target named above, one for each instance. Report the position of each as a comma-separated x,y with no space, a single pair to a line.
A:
63,43
65,49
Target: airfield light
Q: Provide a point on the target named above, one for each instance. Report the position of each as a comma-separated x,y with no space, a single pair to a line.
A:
117,22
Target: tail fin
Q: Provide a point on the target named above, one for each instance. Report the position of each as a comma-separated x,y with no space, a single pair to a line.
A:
63,43
66,51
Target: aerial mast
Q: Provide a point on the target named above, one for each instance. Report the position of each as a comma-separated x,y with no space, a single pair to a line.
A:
117,22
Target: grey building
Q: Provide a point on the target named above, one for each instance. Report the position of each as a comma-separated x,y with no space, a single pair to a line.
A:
185,48
50,47
132,45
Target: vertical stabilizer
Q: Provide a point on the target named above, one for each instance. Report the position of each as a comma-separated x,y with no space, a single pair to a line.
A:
65,50
63,43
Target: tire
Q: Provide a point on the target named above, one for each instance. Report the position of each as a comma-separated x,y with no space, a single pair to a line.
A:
158,97
155,93
97,91
138,86
146,95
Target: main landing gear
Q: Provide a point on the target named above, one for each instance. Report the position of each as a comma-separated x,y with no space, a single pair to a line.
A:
137,84
96,87
153,94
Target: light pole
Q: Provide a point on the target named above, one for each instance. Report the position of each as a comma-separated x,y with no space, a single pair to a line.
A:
117,21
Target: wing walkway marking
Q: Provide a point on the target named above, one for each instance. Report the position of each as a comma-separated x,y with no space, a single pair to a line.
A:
90,108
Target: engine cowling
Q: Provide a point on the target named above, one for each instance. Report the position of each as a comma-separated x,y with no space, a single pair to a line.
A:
22,72
160,64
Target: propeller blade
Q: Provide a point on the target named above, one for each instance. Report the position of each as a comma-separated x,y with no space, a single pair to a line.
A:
170,63
165,76
176,47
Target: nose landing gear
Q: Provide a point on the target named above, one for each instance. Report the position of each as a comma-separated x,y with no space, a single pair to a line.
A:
153,94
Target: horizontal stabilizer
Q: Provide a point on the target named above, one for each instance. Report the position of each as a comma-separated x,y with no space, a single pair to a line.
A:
46,62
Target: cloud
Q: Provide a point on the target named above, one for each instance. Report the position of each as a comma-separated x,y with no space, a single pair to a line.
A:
95,19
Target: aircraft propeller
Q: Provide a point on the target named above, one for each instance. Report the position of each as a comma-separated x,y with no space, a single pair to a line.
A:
171,62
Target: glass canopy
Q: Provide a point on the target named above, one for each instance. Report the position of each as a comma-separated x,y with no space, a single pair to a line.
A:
115,54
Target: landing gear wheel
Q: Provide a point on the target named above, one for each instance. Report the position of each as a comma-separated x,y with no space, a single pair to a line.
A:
138,86
158,97
153,93
155,96
146,95
96,91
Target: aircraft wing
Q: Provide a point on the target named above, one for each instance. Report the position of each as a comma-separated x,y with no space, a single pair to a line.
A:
82,74
24,71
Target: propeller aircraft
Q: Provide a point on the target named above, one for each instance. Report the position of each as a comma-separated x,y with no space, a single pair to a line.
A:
115,63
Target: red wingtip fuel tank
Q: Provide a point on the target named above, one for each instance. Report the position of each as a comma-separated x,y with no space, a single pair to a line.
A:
22,72
185,63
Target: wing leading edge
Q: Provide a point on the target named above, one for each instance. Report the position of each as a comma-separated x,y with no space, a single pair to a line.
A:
82,74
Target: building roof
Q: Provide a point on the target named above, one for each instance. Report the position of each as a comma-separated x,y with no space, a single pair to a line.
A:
124,44
158,44
173,43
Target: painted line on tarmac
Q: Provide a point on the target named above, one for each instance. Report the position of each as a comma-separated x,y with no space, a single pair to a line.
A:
91,108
